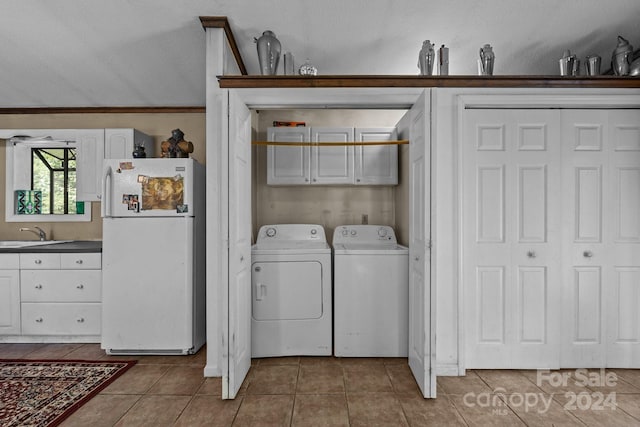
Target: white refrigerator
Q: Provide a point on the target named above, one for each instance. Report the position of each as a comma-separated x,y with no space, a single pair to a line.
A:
153,256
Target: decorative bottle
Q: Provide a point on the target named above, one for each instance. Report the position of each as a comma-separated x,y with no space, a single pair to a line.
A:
621,58
268,53
426,58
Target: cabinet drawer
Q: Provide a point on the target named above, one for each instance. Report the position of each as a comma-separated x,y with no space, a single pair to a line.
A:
61,285
61,319
40,261
9,261
81,261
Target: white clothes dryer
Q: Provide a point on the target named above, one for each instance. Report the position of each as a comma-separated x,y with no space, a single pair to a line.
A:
371,292
291,292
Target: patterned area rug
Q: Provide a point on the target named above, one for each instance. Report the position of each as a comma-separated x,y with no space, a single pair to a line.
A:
43,393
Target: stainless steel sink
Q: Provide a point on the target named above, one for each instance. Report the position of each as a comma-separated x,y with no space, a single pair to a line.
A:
27,243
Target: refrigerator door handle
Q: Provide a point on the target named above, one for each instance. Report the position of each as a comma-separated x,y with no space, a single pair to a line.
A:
107,182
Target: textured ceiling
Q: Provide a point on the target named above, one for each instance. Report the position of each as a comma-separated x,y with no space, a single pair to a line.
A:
96,53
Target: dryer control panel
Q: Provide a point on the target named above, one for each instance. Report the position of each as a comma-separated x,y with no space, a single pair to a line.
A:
291,232
364,234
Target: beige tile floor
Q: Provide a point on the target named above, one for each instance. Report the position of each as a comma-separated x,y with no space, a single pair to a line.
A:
325,391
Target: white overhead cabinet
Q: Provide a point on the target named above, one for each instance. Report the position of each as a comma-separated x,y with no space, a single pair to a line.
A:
90,153
376,164
95,145
120,143
345,164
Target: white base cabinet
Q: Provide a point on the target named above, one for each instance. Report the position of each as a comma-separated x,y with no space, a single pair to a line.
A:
9,294
56,298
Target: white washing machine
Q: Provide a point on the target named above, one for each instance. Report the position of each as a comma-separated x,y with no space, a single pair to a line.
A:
291,291
371,292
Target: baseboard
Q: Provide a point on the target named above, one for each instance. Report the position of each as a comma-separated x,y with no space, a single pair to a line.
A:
447,370
212,371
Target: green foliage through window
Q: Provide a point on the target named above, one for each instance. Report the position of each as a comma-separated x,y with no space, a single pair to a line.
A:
54,173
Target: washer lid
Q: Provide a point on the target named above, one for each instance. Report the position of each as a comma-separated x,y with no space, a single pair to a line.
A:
369,249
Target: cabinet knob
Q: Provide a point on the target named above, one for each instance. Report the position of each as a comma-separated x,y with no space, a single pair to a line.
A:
79,261
80,286
314,180
38,286
306,180
80,320
358,180
587,254
531,254
38,261
39,320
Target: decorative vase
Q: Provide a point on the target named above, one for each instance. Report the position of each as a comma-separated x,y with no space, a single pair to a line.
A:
268,53
138,152
487,58
621,58
426,58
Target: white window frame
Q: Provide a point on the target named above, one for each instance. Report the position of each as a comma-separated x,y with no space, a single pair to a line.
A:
19,178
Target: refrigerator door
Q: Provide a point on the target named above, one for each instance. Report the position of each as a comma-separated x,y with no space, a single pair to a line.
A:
148,187
148,285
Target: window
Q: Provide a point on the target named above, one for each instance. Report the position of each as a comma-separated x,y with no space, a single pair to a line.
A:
53,173
46,166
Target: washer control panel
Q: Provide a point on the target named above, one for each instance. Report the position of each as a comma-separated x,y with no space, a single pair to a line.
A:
364,234
291,232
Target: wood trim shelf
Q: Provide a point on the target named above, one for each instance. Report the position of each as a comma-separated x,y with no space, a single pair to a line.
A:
363,81
223,22
101,110
329,144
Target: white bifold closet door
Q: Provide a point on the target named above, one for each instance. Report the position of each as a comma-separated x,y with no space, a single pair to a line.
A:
601,237
551,238
511,238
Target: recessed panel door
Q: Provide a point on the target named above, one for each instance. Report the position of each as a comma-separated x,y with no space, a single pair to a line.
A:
421,294
621,215
510,244
237,345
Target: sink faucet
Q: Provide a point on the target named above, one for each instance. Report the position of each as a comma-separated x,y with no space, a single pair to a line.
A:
40,232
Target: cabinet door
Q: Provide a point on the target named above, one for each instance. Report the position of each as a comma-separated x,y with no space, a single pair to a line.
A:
332,165
9,302
90,154
288,165
376,164
119,143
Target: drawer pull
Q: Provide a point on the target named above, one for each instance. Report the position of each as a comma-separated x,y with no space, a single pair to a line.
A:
80,320
38,286
80,286
39,320
78,261
38,261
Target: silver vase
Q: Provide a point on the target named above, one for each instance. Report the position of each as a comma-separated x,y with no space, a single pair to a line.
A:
268,53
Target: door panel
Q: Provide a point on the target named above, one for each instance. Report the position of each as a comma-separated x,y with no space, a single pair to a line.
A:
510,252
584,251
621,215
239,216
421,293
